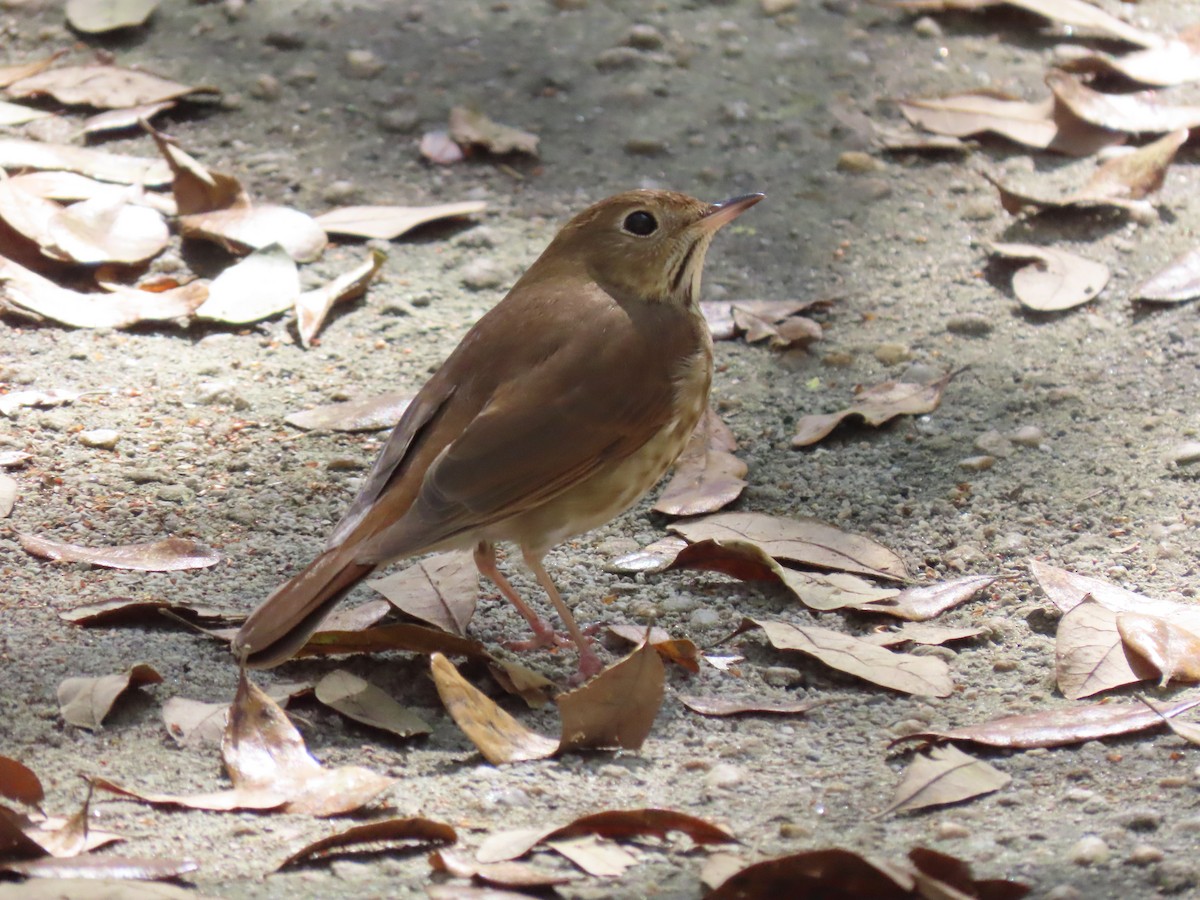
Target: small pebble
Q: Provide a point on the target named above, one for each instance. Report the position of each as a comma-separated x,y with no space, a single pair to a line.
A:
856,162
174,493
399,121
969,325
777,7
952,831
1146,855
892,354
993,443
644,37
1141,820
781,676
8,495
794,830
723,775
285,39
645,146
617,58
1005,665
1028,436
482,275
979,209
363,64
1186,453
100,438
705,617
1065,892
266,87
927,28
340,191
1089,851
977,463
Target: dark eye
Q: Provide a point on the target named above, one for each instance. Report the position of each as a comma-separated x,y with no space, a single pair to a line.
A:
640,223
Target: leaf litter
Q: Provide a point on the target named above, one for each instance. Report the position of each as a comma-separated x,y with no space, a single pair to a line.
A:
944,775
85,702
170,555
707,476
876,406
1178,282
441,590
364,702
373,835
1057,280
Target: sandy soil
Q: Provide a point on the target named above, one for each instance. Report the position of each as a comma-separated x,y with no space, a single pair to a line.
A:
725,100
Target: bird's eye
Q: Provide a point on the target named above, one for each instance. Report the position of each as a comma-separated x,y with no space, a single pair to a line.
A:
640,223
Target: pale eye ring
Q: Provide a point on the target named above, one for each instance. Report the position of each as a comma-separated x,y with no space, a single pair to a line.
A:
641,223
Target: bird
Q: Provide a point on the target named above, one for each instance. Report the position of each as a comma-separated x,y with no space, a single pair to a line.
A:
558,410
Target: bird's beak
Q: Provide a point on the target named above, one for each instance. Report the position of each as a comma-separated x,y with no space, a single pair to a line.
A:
726,211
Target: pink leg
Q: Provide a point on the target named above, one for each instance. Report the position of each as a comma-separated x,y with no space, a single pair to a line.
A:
543,634
589,662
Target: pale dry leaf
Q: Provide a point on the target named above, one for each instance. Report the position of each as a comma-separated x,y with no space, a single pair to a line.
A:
441,590
262,285
945,775
803,541
475,129
313,306
1073,724
1189,731
356,618
707,476
925,676
920,633
197,188
1175,61
1075,14
99,16
368,414
109,230
84,702
97,889
89,869
654,557
18,154
721,706
1058,280
1172,651
501,874
127,117
497,735
102,87
1176,283
170,555
214,801
364,702
28,214
242,228
61,185
1142,112
598,858
1089,654
875,406
390,222
13,114
9,74
193,723
616,708
1066,590
15,400
387,831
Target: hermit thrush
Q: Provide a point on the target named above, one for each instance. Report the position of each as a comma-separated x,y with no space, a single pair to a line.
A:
558,410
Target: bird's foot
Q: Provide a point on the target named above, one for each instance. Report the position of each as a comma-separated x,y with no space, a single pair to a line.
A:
542,637
589,666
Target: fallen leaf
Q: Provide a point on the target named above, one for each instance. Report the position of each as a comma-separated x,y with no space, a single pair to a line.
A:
615,708
614,824
777,320
441,590
125,868
313,306
1173,652
1189,731
364,702
127,117
832,873
262,285
1058,280
707,475
386,831
654,557
1066,590
475,129
29,215
97,889
12,114
356,618
925,676
412,638
803,541
680,651
939,875
920,633
214,801
387,223
497,735
193,723
945,775
501,874
596,857
130,611
9,74
242,228
927,601
535,689
438,148
369,414
15,400
1076,14
1175,61
102,87
68,186
18,782
18,154
99,16
717,706
170,555
1089,654
109,230
1177,282
197,188
1142,112
1059,727
1124,181
84,702
875,406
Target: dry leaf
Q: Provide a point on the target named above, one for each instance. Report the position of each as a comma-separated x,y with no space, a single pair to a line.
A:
502,874
1089,654
84,702
131,611
1189,731
1143,112
12,114
390,222
803,541
104,87
1076,14
777,320
1124,181
475,129
126,868
717,706
15,400
10,74
261,228
18,782
215,801
654,557
441,590
98,889
1175,61
99,16
875,405
1074,724
356,618
413,638
1058,280
263,284
58,185
707,475
313,306
364,702
1177,282
369,414
680,651
386,831
121,119
920,633
939,876
109,230
193,723
927,601
1173,652
925,676
615,708
29,215
1066,590
535,689
596,857
496,734
170,555
833,873
197,188
945,775
35,155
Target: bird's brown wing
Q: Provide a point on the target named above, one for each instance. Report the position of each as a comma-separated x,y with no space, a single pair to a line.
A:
597,396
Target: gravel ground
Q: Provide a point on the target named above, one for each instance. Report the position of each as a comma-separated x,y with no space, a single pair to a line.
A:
715,99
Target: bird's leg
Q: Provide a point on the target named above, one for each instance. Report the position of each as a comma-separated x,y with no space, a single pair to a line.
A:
589,662
485,562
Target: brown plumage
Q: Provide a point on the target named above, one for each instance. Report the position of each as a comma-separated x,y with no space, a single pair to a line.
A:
558,410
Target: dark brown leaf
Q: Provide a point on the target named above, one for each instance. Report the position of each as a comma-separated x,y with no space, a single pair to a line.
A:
875,406
84,702
940,876
412,638
441,590
18,782
170,555
132,611
387,831
834,873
